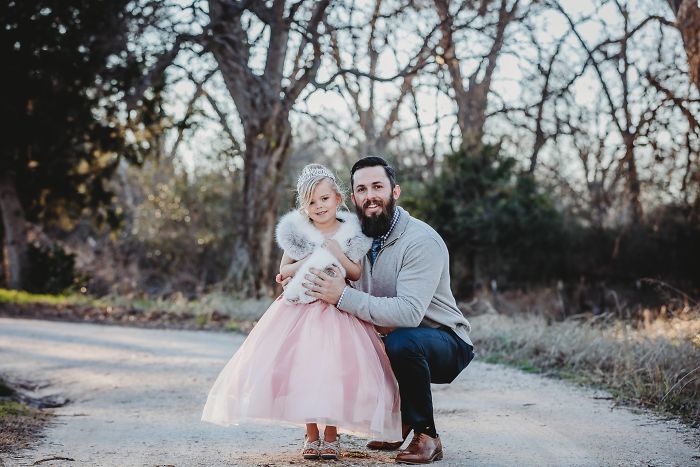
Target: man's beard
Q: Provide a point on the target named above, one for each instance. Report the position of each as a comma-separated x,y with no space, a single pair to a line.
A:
378,224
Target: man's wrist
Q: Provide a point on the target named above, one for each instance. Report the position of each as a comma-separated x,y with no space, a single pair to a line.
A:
340,300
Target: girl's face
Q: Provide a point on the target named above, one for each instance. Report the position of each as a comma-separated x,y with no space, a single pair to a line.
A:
324,203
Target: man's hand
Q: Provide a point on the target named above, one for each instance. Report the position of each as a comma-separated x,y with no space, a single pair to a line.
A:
323,286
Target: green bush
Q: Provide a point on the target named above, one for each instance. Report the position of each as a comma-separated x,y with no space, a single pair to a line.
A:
183,229
51,270
502,224
497,223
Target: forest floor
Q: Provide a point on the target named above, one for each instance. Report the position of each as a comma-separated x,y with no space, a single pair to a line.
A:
136,395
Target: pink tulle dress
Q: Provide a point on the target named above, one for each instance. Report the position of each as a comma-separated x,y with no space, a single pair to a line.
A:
309,363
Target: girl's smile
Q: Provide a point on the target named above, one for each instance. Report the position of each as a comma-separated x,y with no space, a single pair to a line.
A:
324,204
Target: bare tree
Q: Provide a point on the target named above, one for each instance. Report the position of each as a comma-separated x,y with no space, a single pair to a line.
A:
642,100
263,96
471,94
349,53
546,89
626,86
263,102
15,247
688,22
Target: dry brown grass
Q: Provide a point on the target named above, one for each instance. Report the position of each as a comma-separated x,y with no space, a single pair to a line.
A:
655,362
19,426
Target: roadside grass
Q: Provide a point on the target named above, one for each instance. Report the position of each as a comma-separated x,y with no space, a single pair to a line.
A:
654,363
206,304
214,310
21,297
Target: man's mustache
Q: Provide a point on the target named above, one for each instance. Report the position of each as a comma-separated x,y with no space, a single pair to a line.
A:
378,202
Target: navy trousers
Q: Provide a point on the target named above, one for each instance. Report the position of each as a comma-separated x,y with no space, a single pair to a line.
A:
420,356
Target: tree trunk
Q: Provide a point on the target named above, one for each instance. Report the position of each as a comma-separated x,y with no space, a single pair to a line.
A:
15,241
267,149
472,101
634,205
263,102
688,21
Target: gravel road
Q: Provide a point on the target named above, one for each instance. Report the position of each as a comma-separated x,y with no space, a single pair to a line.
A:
136,398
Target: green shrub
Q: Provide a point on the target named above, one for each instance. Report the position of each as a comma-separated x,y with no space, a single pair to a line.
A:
496,221
51,270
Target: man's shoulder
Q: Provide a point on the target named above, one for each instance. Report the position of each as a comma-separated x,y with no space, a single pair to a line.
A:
419,231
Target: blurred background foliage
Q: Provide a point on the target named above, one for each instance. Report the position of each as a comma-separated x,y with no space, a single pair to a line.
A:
128,154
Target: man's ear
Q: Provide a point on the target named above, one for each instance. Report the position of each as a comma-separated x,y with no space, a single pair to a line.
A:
352,198
397,191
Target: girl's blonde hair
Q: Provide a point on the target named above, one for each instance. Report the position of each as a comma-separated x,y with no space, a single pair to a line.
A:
310,177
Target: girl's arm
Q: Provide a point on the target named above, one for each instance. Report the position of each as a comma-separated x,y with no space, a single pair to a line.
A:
289,267
352,269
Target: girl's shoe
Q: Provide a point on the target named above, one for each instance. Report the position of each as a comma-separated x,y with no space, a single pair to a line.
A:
312,449
331,449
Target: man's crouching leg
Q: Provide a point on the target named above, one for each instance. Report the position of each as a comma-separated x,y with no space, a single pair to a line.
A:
418,357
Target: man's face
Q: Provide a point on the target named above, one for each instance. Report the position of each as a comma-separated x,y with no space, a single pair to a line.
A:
374,200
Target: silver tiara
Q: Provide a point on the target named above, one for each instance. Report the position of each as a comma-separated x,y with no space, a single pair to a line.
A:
313,172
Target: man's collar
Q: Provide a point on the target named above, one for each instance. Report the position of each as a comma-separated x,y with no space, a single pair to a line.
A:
400,217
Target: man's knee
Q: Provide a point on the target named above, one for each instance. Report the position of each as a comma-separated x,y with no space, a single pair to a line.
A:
401,344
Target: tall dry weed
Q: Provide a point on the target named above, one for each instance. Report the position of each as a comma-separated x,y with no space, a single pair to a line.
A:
655,363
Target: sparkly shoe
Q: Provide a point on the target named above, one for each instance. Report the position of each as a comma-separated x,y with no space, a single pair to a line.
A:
331,449
312,449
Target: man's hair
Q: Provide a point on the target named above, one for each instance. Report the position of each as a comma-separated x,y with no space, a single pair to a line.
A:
373,161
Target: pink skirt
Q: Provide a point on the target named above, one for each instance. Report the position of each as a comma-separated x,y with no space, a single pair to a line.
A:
309,364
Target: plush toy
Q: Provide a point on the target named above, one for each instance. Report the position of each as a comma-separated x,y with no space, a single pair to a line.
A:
298,237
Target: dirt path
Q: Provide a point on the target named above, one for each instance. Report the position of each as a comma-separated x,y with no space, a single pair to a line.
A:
137,396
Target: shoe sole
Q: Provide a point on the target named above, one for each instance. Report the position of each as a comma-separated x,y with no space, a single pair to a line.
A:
436,457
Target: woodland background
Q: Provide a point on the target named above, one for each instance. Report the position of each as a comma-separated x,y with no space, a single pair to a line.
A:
148,148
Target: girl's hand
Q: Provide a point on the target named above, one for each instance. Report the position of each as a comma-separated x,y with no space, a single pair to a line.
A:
282,280
334,247
383,330
289,267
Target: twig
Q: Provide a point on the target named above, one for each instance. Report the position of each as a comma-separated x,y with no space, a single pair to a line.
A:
670,287
55,458
679,382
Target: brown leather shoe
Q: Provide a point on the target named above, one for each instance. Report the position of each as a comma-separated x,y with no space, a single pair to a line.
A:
421,450
385,445
391,445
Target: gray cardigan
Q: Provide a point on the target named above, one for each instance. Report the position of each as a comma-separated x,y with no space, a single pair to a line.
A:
409,284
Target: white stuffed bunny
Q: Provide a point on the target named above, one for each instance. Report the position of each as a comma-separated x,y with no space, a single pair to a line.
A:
298,237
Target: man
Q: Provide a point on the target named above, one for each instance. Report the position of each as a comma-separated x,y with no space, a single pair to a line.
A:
405,291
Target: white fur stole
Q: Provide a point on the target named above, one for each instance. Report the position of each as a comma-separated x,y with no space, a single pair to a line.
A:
298,237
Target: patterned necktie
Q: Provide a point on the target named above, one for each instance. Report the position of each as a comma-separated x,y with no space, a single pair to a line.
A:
374,251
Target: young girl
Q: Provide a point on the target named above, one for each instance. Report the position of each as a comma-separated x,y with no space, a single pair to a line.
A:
306,362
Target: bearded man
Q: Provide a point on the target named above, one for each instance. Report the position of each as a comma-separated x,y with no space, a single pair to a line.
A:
405,292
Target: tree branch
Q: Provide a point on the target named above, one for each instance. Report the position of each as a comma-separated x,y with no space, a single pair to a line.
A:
157,71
